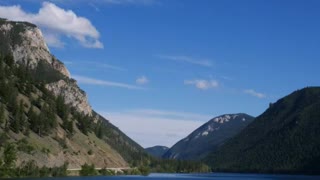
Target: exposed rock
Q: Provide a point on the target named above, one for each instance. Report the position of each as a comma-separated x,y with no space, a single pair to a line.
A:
72,94
208,137
27,45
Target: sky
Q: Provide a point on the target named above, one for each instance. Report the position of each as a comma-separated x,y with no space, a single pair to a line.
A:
158,69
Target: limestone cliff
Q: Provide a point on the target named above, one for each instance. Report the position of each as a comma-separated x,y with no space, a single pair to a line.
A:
27,45
72,95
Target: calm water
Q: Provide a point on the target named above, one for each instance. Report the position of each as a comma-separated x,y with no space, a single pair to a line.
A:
214,176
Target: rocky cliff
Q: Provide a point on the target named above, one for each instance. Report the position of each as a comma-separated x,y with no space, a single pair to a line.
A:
27,45
42,126
72,95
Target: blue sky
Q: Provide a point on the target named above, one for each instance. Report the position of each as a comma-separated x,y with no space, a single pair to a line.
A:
158,69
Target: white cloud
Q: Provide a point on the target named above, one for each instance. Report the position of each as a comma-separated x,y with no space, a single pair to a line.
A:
202,84
92,81
255,93
186,59
142,80
53,40
151,127
56,22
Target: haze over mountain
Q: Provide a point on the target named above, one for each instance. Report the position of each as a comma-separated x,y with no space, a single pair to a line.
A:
285,138
157,151
209,137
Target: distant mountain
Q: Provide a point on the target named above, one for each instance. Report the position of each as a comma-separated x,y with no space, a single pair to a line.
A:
157,151
208,137
285,138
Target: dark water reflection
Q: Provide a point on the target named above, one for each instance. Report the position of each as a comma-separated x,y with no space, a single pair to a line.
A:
213,176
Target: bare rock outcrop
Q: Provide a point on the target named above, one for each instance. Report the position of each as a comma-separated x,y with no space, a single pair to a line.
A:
27,45
72,94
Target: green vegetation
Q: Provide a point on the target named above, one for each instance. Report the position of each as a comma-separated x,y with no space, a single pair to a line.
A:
24,146
284,139
195,147
27,169
41,117
178,166
88,170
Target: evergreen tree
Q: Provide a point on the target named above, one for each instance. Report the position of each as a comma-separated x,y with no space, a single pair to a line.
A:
2,114
9,60
88,170
33,120
9,155
15,123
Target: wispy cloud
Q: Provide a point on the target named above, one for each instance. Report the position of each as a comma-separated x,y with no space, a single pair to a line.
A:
55,23
202,83
96,65
108,66
186,59
254,93
92,81
142,80
95,7
173,114
160,127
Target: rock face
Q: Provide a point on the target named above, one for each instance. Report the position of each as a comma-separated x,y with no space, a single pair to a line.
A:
72,95
27,45
209,137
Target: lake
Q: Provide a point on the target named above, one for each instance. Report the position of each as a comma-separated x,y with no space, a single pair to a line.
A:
213,176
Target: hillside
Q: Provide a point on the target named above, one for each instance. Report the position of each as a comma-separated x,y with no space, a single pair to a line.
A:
157,151
44,113
208,137
285,138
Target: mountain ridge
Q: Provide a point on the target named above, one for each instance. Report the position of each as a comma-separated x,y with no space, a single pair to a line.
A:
283,139
157,151
208,136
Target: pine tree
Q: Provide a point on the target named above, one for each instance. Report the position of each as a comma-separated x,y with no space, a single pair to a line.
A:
33,120
2,114
9,60
9,155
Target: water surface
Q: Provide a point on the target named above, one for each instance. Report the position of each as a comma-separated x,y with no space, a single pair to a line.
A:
213,176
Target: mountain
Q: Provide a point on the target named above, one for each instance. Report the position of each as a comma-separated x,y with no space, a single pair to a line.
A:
157,151
45,116
208,137
284,139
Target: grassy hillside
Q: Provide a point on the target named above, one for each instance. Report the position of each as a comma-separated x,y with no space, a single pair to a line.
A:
46,130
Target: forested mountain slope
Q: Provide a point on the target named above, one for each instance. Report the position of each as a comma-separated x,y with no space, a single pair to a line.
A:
208,137
45,115
285,138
